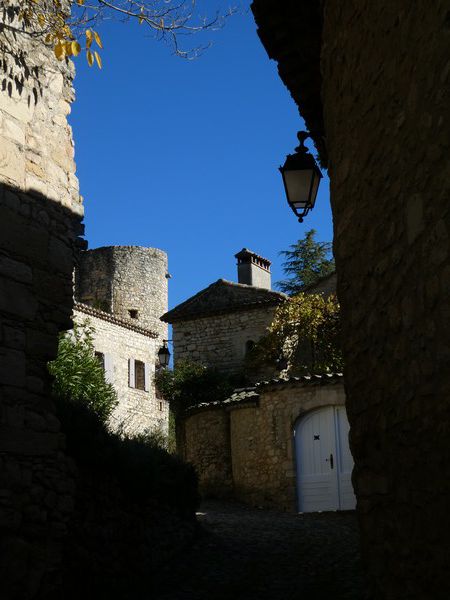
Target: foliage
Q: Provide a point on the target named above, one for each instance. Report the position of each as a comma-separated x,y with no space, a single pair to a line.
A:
305,336
70,26
144,470
306,261
79,376
190,384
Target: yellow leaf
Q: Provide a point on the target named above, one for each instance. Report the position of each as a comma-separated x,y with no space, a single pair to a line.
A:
59,51
89,38
141,20
90,58
41,20
48,38
98,59
68,48
76,48
80,2
98,40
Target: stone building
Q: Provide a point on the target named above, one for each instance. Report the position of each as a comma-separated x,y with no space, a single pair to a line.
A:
221,323
281,444
260,444
371,80
122,292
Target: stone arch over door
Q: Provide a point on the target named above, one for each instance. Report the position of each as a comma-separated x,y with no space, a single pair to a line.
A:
323,460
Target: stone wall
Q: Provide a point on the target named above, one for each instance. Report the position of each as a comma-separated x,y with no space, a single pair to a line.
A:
256,440
220,340
117,543
206,444
40,213
137,410
120,279
386,90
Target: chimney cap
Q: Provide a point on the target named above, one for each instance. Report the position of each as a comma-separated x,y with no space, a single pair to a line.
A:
247,256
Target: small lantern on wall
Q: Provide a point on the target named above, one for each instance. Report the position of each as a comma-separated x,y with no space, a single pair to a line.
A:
301,178
164,354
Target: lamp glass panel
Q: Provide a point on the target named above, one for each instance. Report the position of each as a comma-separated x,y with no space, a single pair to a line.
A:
164,357
298,184
314,188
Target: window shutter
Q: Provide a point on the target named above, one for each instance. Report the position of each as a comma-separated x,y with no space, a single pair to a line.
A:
109,368
146,377
131,378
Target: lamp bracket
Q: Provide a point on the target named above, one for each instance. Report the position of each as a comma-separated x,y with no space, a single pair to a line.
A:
302,136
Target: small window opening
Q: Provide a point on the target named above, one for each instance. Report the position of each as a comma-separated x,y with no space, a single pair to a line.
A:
249,345
160,406
139,375
101,359
134,314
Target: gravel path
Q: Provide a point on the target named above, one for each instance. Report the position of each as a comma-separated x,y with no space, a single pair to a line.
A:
251,554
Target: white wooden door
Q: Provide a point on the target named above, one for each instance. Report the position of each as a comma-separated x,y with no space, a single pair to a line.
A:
324,462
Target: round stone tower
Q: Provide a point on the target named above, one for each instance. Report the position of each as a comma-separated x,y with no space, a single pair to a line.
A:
127,281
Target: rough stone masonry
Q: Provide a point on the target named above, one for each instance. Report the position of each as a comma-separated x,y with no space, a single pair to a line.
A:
40,215
372,81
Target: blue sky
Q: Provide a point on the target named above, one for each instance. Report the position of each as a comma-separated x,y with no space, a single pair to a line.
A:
184,155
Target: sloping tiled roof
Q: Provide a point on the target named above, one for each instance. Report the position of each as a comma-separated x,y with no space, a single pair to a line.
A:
223,297
239,396
315,379
250,395
326,284
101,314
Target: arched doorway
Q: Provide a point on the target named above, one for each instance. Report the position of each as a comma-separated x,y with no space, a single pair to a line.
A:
324,461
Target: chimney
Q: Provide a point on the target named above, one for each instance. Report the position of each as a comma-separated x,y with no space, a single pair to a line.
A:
253,269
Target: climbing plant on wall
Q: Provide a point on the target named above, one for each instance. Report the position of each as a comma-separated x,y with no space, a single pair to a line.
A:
304,337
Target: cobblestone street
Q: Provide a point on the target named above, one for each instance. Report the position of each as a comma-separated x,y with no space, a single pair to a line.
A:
260,555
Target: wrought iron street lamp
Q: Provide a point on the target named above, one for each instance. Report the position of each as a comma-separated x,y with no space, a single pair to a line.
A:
301,178
164,354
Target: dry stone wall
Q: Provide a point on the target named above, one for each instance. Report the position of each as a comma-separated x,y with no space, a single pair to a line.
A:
386,90
220,340
40,214
247,450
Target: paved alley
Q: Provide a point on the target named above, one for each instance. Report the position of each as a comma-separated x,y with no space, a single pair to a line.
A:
252,554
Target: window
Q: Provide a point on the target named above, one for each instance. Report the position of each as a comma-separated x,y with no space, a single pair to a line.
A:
101,359
138,375
249,345
106,363
160,406
134,314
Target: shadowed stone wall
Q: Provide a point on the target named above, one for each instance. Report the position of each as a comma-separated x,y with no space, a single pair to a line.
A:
40,213
206,444
386,92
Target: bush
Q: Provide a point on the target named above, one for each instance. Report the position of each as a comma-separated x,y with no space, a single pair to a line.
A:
190,384
303,338
145,471
78,374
